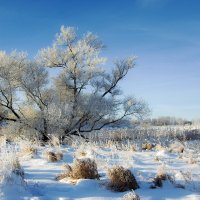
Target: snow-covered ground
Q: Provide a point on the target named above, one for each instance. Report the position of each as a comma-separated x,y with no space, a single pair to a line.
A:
40,184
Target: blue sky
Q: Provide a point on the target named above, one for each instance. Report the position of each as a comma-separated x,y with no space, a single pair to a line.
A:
164,34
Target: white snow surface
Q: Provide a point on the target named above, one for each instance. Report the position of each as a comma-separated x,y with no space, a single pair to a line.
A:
40,183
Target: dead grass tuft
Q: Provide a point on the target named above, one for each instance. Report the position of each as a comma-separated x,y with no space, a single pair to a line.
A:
133,148
121,179
176,148
50,156
28,151
17,168
157,159
67,167
53,157
157,181
160,177
158,147
82,153
59,156
147,146
80,169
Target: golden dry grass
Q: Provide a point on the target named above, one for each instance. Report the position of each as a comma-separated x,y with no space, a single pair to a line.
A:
147,146
80,169
50,156
158,147
133,148
59,156
53,157
121,179
28,151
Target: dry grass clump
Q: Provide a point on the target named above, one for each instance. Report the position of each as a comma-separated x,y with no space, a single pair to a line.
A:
54,141
192,161
28,151
3,140
121,179
158,147
176,148
157,159
11,168
133,148
157,181
82,153
147,146
80,169
53,157
131,196
160,177
67,167
50,156
16,168
59,156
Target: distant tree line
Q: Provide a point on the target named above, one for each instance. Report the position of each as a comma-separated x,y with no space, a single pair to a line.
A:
164,121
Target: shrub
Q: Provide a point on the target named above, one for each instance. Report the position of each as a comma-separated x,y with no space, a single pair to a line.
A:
80,169
121,179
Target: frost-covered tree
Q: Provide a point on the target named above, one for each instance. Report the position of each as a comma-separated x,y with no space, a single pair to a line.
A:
81,97
11,67
23,93
87,97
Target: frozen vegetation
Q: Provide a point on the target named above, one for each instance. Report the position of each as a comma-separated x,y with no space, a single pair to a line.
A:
122,166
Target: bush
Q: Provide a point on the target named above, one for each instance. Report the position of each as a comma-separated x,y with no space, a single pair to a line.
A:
121,179
80,169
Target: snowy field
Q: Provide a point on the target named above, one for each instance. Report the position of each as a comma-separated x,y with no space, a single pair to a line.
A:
35,178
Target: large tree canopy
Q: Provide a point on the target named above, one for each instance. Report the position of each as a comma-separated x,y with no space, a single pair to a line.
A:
81,97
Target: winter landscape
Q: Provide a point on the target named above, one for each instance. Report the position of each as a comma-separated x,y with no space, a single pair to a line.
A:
81,121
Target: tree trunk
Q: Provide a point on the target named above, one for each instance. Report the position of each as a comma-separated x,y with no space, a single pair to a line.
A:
45,137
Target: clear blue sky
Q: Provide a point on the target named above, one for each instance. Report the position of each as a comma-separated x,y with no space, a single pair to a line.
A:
164,34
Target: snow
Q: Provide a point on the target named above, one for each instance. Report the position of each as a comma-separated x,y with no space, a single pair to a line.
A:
40,183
